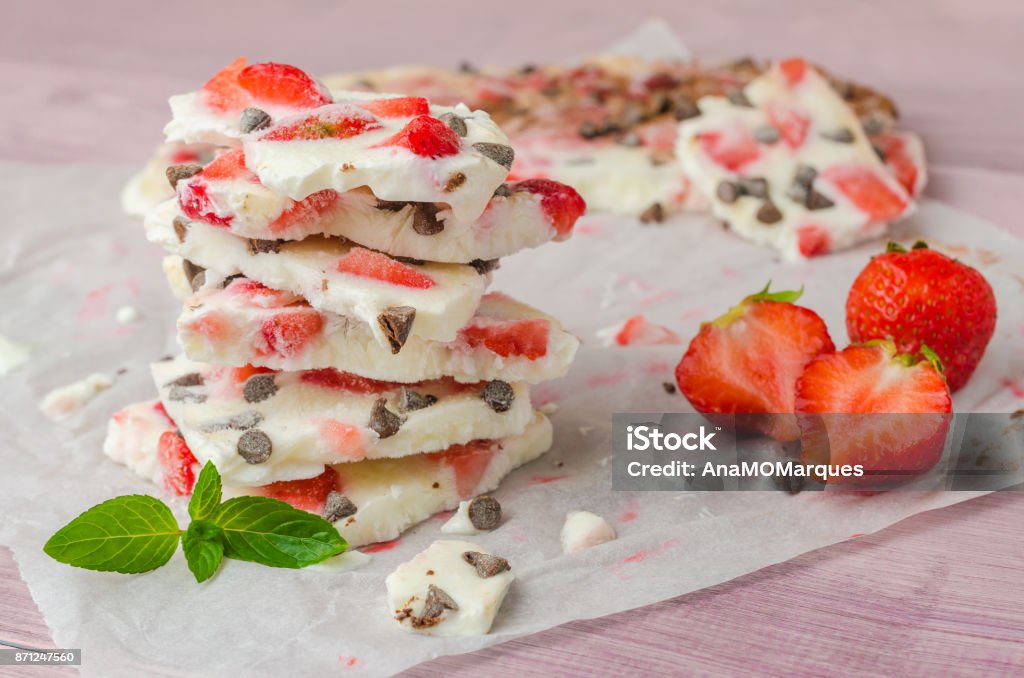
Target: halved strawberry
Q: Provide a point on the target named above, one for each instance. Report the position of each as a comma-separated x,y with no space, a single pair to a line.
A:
732,147
329,377
746,362
370,264
222,93
526,338
288,333
427,136
866,190
791,124
340,121
469,462
178,463
793,69
282,85
308,494
871,406
401,107
561,203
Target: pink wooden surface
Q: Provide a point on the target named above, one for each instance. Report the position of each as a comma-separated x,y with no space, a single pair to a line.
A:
942,593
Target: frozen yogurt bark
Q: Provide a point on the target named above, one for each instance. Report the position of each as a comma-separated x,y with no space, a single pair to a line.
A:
332,274
368,501
259,426
786,162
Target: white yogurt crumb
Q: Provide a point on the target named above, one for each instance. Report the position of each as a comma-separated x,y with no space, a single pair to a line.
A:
548,408
346,562
12,354
64,401
583,529
460,523
127,314
586,430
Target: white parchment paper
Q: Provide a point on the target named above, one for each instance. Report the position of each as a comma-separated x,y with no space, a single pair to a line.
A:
70,260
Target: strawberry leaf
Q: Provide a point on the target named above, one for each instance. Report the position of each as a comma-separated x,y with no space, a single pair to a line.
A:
786,296
932,357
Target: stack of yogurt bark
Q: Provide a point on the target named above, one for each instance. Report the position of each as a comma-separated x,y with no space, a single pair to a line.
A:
341,349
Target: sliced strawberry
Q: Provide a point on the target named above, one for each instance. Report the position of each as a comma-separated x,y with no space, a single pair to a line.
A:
307,212
308,494
733,147
345,439
222,93
871,406
746,362
561,203
369,264
228,165
288,333
428,137
526,338
402,107
282,85
866,190
329,377
791,124
898,159
638,331
813,241
258,294
194,193
341,121
178,463
793,69
240,375
469,462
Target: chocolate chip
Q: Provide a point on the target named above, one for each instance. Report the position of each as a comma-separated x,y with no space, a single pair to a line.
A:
190,379
456,122
874,125
382,420
684,107
231,278
769,213
589,130
424,219
410,401
805,175
254,446
180,228
502,191
455,181
176,173
499,153
840,136
257,246
728,191
766,134
396,322
669,387
181,394
338,506
259,387
486,565
434,605
498,395
485,266
253,119
738,98
879,151
392,205
756,187
467,67
791,484
484,512
817,201
653,214
195,275
412,261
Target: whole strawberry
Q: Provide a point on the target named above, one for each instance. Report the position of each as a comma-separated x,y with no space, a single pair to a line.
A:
924,297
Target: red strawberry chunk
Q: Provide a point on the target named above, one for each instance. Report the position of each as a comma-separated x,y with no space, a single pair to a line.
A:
369,264
793,69
194,193
288,333
228,165
307,212
341,121
813,241
469,462
258,294
345,439
561,203
178,463
329,377
402,107
308,494
428,137
898,159
733,147
638,331
240,375
282,85
867,191
792,125
162,411
222,93
526,338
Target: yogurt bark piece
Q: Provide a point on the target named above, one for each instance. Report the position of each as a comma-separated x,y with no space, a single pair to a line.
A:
453,588
520,215
150,186
333,275
582,530
245,323
788,164
261,426
368,501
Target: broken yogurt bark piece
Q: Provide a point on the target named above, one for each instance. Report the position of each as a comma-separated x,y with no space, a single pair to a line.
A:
368,501
247,323
583,529
453,588
786,162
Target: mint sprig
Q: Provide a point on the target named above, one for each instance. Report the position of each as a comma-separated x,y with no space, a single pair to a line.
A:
137,533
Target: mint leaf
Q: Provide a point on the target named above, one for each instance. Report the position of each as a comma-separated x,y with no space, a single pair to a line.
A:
204,547
271,532
129,534
206,494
